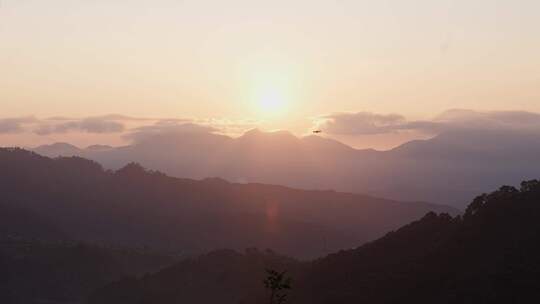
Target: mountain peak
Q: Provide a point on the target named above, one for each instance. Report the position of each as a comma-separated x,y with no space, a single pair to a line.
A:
58,145
58,149
252,132
99,147
259,134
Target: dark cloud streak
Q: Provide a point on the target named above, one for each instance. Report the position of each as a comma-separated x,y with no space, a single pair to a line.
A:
89,125
15,125
367,123
167,128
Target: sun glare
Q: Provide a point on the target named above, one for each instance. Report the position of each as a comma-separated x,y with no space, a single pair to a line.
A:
272,103
271,87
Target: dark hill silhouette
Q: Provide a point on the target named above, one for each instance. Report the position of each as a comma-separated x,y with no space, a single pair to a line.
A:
133,207
449,168
61,149
36,272
16,222
490,255
223,276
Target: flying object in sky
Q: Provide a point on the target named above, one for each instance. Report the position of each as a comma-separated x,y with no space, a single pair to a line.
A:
317,131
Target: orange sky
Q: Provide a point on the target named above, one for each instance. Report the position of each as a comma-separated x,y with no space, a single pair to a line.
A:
281,63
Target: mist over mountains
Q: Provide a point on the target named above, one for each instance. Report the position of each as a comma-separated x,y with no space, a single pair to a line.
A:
448,169
75,199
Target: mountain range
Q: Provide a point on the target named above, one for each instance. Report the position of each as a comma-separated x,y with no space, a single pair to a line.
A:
71,198
65,221
447,169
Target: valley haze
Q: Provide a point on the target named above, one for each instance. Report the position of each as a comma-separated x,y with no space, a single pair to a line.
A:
449,168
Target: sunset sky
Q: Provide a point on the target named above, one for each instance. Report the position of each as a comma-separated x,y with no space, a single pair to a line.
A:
267,64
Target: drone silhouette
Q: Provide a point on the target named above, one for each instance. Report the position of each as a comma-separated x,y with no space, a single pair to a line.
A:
317,131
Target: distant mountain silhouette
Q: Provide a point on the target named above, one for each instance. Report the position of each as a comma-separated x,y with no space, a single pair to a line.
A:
449,169
60,149
490,255
133,207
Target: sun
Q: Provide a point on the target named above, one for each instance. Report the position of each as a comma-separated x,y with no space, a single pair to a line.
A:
272,103
271,89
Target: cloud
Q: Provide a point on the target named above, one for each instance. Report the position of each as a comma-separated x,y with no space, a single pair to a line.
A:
127,126
15,125
494,120
167,128
112,117
110,123
126,118
230,127
173,127
360,123
367,123
89,125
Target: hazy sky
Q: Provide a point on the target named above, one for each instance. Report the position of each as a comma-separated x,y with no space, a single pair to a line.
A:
281,62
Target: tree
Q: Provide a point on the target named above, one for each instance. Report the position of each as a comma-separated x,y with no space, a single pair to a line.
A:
277,283
529,186
476,205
